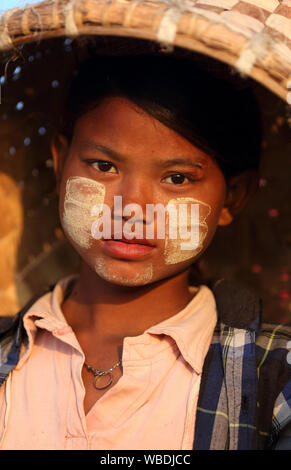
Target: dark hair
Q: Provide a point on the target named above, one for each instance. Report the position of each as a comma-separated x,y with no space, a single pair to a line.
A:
212,113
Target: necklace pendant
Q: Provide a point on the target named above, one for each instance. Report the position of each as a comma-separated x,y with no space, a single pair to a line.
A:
108,382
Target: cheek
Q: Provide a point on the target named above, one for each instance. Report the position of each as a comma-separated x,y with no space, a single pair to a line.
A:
81,194
186,229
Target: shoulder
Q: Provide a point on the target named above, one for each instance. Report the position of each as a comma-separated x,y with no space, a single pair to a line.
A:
240,308
237,305
12,335
6,323
12,322
266,355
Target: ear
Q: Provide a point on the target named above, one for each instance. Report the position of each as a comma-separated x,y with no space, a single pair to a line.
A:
241,188
59,150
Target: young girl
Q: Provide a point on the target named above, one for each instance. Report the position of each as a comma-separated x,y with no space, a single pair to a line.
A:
131,352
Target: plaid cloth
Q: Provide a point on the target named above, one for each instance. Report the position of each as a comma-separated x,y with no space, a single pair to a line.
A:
245,393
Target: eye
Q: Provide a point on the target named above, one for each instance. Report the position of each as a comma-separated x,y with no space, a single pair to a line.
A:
177,178
103,165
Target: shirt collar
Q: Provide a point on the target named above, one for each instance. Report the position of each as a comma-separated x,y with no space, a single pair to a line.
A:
48,307
192,328
45,313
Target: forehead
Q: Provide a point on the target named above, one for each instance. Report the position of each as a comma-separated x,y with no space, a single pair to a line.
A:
120,124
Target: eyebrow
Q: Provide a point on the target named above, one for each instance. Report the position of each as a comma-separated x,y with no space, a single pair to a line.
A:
94,146
190,161
180,161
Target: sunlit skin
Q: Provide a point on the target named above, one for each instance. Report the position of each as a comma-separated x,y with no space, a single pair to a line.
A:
140,152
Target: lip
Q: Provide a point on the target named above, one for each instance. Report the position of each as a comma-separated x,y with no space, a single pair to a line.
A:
135,241
127,249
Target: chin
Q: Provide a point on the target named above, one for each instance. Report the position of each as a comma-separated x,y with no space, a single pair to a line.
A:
124,275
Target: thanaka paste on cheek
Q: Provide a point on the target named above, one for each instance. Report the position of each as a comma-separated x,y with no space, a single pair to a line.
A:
81,195
110,273
173,251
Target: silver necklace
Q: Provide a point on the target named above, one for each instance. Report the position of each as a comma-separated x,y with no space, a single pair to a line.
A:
99,373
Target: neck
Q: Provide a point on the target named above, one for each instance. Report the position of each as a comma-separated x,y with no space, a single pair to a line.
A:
117,311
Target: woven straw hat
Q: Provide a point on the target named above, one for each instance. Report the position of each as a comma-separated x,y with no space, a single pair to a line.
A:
41,45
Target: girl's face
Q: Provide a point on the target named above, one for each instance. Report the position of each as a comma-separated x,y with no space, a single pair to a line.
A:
119,150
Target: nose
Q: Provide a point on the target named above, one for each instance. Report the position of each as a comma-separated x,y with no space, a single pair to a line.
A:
136,193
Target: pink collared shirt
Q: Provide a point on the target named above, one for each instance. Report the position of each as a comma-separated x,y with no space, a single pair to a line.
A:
152,406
